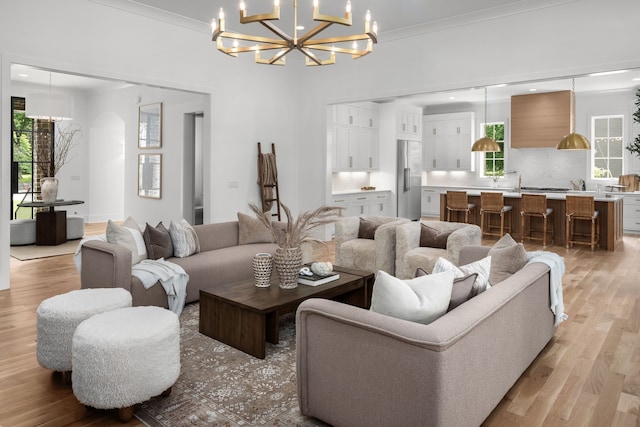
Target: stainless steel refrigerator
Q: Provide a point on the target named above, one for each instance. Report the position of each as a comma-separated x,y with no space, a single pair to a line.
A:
409,179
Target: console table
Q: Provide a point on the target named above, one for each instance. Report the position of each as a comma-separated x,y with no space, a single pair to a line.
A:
51,225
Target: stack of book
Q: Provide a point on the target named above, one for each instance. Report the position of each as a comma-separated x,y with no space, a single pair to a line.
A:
316,279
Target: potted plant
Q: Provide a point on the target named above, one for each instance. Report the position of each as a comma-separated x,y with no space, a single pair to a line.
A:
292,235
634,147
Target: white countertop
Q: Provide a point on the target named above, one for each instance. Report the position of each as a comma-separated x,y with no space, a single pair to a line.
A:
340,193
605,197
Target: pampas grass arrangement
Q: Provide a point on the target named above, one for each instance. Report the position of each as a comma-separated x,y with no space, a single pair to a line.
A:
299,230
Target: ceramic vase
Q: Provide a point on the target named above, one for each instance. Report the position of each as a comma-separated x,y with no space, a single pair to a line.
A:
49,189
262,266
288,263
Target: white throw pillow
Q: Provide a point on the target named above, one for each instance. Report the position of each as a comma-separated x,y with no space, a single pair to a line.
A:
481,267
422,299
128,235
184,239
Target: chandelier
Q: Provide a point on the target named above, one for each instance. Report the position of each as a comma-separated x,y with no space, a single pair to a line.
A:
283,43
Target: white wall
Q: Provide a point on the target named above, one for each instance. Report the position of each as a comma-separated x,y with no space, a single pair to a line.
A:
286,105
511,48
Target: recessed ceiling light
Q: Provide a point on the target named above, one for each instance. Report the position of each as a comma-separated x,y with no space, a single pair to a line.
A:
452,97
636,79
300,27
23,75
608,73
500,85
533,89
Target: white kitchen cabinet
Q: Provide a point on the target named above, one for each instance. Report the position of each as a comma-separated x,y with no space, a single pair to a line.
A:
345,114
431,201
447,140
409,125
631,214
434,144
355,138
363,204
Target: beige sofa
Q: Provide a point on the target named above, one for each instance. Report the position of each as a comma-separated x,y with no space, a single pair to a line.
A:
220,260
410,256
359,368
367,254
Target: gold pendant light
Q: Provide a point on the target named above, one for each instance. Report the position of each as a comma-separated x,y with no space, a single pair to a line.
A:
485,143
573,141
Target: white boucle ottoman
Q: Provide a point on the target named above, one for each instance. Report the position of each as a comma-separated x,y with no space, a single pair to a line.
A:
124,357
22,232
58,317
75,227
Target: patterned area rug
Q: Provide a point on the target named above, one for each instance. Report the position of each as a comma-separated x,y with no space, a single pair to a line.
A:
222,386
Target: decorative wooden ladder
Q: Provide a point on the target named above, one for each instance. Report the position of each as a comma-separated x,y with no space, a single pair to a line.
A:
268,180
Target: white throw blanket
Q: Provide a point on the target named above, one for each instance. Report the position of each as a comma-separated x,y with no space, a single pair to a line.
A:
172,277
557,268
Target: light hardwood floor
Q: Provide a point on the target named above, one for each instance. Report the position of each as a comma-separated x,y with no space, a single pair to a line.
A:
588,375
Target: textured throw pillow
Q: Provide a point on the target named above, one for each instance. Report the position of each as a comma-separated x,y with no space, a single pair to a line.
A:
432,238
507,257
367,228
157,241
421,300
128,235
462,288
481,267
184,239
252,230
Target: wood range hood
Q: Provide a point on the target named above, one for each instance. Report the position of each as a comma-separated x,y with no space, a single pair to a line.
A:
541,120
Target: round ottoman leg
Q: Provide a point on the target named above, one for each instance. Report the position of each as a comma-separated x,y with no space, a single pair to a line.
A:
66,377
125,414
166,393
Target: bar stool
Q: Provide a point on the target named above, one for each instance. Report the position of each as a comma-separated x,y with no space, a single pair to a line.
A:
535,205
493,204
457,201
581,208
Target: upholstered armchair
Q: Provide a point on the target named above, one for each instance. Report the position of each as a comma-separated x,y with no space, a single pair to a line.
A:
410,255
367,243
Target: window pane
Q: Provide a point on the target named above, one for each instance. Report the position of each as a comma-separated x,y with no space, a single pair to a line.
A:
601,128
615,127
600,168
615,147
600,148
615,165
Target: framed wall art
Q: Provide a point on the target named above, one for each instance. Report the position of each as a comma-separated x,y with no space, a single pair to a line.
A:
150,125
150,175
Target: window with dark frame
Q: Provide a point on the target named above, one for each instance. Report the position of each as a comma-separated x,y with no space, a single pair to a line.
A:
28,138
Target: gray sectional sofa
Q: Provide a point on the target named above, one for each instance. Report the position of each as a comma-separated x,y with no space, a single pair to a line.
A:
220,260
360,368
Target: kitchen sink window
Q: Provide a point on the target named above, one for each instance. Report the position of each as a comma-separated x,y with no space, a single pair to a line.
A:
494,162
607,140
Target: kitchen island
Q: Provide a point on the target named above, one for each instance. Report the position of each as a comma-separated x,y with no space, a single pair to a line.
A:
609,207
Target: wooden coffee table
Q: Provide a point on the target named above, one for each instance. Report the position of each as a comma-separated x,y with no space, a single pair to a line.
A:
245,317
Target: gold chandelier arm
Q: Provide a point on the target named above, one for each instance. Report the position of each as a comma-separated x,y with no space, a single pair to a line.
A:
355,53
277,31
317,29
333,40
249,38
317,16
273,16
312,60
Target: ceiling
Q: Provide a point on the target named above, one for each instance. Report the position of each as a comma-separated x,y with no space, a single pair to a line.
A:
392,17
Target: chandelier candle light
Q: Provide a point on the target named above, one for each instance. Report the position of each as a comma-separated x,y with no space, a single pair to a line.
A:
284,44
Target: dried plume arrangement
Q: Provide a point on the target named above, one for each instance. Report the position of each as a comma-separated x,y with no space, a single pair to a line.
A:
61,150
299,230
